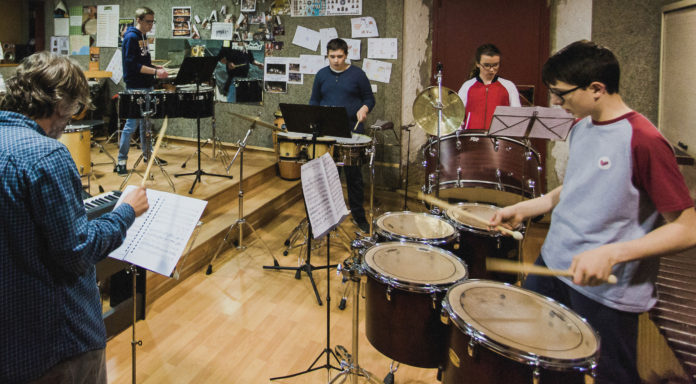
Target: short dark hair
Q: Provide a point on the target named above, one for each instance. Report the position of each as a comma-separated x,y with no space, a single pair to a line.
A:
141,12
41,82
336,44
581,63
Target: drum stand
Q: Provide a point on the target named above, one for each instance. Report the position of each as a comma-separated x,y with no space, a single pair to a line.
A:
349,362
217,143
240,219
199,172
149,110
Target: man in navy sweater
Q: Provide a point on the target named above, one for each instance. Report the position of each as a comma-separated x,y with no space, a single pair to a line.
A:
139,75
344,85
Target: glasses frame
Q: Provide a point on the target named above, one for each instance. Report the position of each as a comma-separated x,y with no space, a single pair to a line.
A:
490,66
560,94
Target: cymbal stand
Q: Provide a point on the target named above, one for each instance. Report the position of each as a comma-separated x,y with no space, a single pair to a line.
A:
199,172
328,351
148,110
407,128
348,361
439,124
240,219
307,267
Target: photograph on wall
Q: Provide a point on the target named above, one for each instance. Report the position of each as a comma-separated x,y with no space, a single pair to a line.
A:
248,6
181,21
123,24
89,20
294,72
276,86
239,73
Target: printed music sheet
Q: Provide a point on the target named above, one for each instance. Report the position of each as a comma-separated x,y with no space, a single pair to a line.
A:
323,195
158,237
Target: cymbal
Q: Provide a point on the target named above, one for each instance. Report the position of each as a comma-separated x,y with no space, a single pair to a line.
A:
425,111
257,121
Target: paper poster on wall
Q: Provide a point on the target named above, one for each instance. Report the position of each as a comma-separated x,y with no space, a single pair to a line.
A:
116,67
123,25
377,70
303,8
75,20
181,21
353,48
222,31
306,38
311,64
79,45
327,34
363,27
343,7
89,20
107,24
294,71
61,26
60,45
275,69
385,48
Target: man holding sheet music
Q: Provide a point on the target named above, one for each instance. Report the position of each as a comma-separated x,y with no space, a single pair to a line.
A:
621,181
485,90
344,85
52,328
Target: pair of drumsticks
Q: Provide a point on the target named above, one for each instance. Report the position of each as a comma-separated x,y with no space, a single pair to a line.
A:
500,265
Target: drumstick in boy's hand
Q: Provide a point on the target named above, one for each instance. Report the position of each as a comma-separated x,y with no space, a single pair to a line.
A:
435,201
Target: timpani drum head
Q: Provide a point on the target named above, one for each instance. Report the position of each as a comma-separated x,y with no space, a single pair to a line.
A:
421,227
413,266
521,324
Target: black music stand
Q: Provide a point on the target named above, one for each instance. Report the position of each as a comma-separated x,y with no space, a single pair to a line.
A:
196,70
319,121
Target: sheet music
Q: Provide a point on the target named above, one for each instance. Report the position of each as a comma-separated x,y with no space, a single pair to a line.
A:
323,195
159,236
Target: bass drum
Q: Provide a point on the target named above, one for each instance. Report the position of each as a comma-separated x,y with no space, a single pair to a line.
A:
503,334
405,286
478,167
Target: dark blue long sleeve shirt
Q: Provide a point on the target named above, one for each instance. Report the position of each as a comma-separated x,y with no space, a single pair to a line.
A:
135,54
350,89
49,301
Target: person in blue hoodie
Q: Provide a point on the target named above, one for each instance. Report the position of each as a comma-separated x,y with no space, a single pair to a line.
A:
139,75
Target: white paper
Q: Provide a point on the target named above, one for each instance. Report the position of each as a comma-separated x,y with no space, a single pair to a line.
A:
353,48
363,27
374,88
306,38
76,21
107,26
61,26
323,195
343,8
327,34
385,48
222,31
79,45
158,237
377,70
311,64
115,67
60,45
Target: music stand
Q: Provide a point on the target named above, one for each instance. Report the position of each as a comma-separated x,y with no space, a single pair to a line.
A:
327,121
196,70
318,121
531,122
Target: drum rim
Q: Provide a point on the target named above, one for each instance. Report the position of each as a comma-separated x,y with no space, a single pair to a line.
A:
584,364
407,285
433,140
430,241
76,128
349,144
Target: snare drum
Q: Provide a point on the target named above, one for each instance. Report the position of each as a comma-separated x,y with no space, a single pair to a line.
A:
192,104
132,104
411,226
405,286
500,333
352,151
477,242
78,139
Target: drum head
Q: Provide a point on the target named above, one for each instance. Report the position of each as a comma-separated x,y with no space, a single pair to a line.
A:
413,266
414,226
483,211
355,139
521,324
75,128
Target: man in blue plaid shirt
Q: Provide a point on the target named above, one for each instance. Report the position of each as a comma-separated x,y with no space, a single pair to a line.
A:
52,329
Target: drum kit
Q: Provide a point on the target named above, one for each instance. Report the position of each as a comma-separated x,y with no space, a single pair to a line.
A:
430,300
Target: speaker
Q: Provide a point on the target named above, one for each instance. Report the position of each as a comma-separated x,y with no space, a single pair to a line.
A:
8,51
